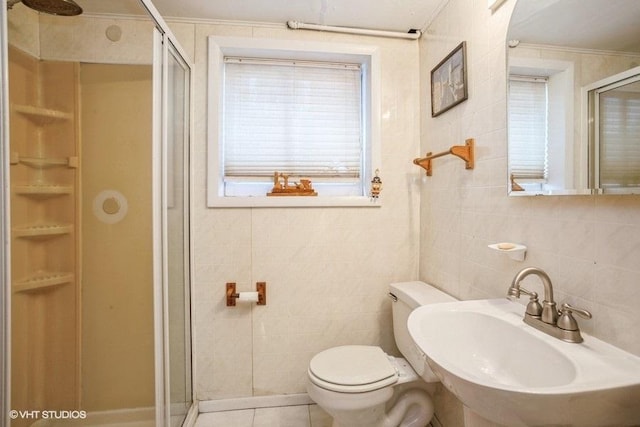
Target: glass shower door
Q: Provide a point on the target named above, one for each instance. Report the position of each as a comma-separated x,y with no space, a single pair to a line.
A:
177,208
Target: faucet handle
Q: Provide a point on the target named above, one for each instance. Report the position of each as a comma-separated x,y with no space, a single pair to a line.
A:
579,311
533,307
567,321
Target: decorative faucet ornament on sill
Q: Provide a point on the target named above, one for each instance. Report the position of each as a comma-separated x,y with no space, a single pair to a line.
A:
281,187
376,186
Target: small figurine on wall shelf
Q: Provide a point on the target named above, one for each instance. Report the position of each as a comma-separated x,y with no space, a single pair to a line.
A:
376,186
281,186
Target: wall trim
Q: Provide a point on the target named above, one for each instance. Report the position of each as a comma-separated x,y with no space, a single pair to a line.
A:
254,402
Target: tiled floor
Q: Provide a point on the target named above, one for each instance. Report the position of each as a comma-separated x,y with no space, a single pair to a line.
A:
286,416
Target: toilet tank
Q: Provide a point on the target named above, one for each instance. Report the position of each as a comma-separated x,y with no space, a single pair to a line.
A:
407,296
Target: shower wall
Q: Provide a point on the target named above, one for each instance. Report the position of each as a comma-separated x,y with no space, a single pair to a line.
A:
85,340
117,297
94,352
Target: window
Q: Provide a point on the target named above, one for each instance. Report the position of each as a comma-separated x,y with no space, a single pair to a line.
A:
302,118
300,109
540,126
528,125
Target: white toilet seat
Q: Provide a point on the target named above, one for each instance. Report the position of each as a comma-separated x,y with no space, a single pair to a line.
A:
352,369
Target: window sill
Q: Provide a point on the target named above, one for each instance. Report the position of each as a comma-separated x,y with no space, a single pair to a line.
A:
293,202
562,192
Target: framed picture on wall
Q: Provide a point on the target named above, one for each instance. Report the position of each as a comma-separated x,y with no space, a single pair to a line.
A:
449,81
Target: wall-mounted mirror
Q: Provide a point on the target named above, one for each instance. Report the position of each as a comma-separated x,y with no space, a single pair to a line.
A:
559,53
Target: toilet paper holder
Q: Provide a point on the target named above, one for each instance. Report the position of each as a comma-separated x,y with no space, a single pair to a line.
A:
232,295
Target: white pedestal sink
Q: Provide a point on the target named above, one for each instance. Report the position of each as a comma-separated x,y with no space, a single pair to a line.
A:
509,373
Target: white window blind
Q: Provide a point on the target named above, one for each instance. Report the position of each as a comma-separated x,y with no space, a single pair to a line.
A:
528,127
620,136
296,117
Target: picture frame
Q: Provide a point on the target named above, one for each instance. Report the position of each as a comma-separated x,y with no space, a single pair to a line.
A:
449,81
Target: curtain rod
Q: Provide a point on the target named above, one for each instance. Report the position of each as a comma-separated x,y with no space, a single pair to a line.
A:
412,35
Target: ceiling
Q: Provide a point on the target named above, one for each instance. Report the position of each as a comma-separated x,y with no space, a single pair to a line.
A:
589,24
612,25
390,15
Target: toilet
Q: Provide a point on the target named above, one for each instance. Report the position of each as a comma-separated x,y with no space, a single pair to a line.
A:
361,386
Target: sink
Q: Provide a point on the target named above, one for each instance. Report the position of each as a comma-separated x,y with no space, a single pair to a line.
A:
512,374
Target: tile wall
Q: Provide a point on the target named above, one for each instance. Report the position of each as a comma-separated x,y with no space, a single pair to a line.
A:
327,269
590,246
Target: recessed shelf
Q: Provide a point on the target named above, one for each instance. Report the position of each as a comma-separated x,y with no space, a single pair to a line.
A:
41,115
41,230
41,281
42,190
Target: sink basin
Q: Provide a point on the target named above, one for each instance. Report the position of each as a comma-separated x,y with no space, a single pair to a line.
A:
512,374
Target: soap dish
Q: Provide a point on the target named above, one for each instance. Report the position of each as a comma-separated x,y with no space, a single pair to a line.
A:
515,251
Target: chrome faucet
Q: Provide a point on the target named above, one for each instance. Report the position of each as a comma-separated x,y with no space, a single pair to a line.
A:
546,317
548,314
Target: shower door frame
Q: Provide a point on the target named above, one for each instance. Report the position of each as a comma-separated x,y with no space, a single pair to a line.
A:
171,51
163,37
5,264
163,43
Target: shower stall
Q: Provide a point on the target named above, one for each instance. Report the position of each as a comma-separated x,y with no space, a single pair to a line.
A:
96,317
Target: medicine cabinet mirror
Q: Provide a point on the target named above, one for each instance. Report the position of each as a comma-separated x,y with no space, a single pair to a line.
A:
573,97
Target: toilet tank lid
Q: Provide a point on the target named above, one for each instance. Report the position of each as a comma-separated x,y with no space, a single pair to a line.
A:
417,293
